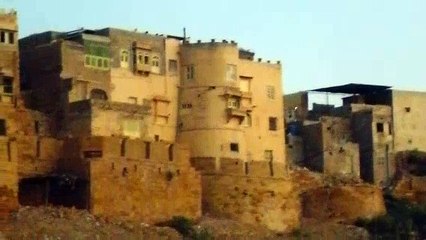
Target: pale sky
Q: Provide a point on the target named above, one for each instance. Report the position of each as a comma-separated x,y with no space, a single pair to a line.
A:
320,42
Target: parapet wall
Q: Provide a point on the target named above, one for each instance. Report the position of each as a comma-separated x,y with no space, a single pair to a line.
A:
134,179
229,166
38,156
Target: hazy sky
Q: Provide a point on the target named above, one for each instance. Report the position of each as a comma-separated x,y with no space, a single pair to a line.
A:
320,42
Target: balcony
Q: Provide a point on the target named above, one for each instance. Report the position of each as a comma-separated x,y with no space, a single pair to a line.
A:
140,67
232,92
238,113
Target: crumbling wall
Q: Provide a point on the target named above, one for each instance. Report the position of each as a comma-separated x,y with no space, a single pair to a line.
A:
343,203
37,155
8,179
270,202
102,118
372,130
314,147
412,188
341,156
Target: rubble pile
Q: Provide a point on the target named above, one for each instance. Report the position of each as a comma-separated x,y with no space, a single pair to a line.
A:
70,223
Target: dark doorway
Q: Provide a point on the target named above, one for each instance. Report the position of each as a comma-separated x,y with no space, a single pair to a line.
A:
60,190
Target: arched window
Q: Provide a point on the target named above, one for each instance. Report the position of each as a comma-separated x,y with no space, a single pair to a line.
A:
124,56
155,61
98,94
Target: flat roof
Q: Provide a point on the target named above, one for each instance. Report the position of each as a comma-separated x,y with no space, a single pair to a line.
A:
352,88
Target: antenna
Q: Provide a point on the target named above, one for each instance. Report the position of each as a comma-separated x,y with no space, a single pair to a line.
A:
184,34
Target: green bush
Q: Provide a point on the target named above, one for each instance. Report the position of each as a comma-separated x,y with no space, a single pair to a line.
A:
182,224
402,218
204,234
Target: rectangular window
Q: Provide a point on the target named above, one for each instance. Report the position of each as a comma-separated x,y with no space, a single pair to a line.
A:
8,84
173,67
231,72
379,127
147,150
155,61
234,147
233,103
87,62
270,92
146,60
106,63
3,37
186,105
133,100
272,123
11,38
390,128
37,127
189,72
2,127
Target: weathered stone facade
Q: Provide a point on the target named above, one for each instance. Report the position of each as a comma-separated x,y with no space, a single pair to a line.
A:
329,149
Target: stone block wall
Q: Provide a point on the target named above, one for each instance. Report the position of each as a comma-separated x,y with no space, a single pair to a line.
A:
38,155
270,202
133,179
343,203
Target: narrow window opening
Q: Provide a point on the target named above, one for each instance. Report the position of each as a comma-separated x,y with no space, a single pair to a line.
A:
87,60
171,152
123,148
234,147
106,63
270,92
2,37
407,109
190,72
146,60
37,127
173,67
147,150
8,84
379,127
112,166
2,127
246,168
9,154
157,138
11,38
38,148
125,172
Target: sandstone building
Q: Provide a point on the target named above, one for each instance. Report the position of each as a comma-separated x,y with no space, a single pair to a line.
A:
214,82
382,122
153,118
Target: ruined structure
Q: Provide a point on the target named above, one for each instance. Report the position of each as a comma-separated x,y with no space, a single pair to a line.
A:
329,149
380,120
